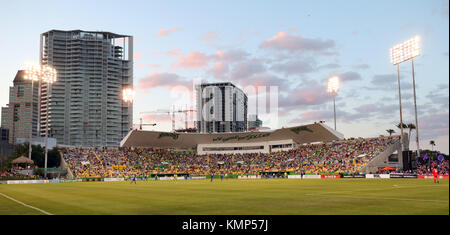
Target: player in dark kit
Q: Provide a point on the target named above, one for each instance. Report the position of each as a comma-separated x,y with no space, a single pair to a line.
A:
436,175
212,176
134,179
221,176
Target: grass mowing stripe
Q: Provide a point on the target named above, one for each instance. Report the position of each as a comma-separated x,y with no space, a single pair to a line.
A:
380,198
32,207
240,197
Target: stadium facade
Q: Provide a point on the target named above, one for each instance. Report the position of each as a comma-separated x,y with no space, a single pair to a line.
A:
240,142
85,103
283,139
221,107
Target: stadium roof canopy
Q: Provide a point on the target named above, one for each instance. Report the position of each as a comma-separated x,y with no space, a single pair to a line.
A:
317,132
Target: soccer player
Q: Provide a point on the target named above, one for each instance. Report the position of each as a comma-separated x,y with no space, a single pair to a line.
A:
134,179
221,176
436,175
212,175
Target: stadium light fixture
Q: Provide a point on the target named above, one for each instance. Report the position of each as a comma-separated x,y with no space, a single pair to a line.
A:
128,95
333,87
48,74
333,84
400,53
128,98
405,51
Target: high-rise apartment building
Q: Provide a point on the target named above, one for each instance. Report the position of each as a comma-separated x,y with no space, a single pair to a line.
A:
221,107
85,103
20,116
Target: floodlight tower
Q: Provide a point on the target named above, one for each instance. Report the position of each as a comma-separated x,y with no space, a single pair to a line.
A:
32,73
400,53
333,87
48,74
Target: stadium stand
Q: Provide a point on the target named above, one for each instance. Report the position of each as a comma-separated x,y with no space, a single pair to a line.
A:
347,156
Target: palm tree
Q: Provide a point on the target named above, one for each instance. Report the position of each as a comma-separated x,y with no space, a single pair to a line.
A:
410,126
403,124
390,131
432,143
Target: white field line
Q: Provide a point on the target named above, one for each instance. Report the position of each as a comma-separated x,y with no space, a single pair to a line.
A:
32,207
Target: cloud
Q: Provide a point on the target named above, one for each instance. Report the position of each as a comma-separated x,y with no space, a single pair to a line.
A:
349,76
137,56
156,118
166,32
193,60
174,52
388,82
377,109
247,68
154,66
262,79
433,125
168,80
219,70
329,66
230,56
327,115
292,43
295,67
361,66
309,93
312,116
210,37
438,97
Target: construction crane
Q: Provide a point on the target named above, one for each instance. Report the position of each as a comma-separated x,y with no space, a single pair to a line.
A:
145,124
185,111
159,111
172,114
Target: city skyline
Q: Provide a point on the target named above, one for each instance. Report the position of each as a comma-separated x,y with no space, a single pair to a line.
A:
295,45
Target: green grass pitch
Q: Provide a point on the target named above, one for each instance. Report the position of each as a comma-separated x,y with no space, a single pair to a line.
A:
231,197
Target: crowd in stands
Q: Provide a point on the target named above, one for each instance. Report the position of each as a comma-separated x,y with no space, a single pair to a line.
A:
16,174
336,157
347,157
6,174
424,167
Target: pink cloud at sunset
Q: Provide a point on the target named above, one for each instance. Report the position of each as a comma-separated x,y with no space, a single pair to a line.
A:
285,41
166,32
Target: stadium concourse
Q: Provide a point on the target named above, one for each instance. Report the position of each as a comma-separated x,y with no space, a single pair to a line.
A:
310,149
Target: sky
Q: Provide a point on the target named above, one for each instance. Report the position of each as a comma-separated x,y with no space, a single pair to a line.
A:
292,45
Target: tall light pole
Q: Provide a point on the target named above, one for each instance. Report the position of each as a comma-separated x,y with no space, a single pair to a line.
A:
48,75
400,53
333,87
32,73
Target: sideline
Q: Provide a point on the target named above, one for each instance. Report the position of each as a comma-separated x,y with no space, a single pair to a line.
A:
32,207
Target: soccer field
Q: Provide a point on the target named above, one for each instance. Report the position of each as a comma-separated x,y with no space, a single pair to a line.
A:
230,197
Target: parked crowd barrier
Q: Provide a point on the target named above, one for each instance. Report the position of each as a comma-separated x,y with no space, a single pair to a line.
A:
343,176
